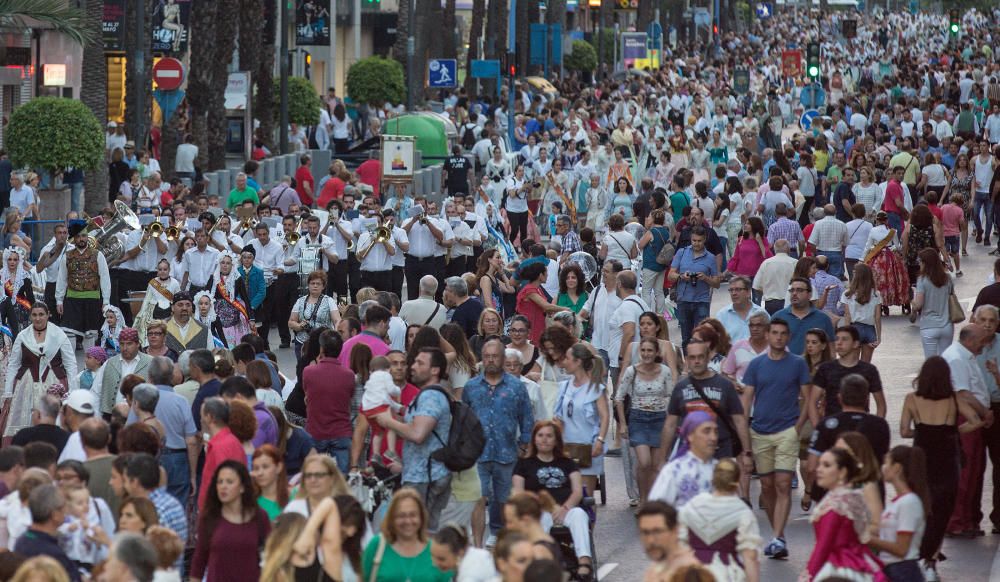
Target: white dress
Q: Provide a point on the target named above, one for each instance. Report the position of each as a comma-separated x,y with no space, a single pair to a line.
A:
718,528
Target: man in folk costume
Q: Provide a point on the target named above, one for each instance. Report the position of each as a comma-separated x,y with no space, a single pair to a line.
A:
183,332
109,376
83,287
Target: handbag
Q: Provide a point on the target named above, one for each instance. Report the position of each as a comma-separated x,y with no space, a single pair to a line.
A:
580,453
955,312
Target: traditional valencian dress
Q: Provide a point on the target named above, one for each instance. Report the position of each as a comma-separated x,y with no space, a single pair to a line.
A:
232,305
18,295
108,338
210,320
891,278
841,525
33,370
156,304
717,528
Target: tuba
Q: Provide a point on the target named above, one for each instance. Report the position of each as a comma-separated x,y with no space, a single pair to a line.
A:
103,238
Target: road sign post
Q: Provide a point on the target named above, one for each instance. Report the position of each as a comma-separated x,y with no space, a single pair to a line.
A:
168,74
442,73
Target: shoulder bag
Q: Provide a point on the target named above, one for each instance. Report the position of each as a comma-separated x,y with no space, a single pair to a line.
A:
666,254
581,453
373,576
734,436
955,311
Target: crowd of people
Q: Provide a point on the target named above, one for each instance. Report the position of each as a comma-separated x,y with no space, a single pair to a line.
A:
466,362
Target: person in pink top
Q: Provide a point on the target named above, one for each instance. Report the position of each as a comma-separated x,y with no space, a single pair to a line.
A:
222,445
893,203
374,329
952,216
751,250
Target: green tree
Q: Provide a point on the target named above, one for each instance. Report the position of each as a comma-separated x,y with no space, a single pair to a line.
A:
55,133
583,58
57,14
303,101
376,80
608,53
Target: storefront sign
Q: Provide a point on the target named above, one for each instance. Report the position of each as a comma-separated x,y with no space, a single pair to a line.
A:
113,25
312,22
171,26
53,75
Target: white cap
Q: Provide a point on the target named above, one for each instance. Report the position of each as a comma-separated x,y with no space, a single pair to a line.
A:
82,401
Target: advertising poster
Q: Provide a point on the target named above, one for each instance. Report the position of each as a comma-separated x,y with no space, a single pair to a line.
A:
171,26
113,25
312,22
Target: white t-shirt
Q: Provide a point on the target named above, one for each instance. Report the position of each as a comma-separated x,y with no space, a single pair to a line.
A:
629,311
904,514
476,566
862,313
619,250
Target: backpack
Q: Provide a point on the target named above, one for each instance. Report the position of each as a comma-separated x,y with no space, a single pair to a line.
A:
469,136
466,438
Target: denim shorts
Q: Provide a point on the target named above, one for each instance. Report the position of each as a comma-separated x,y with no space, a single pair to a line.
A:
644,427
866,331
951,244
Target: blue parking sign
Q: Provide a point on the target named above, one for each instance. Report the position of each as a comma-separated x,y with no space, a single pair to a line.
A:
442,73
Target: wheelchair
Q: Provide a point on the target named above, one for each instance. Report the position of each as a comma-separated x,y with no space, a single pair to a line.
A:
563,537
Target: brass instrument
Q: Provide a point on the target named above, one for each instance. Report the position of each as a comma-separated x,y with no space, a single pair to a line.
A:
103,237
249,223
173,233
293,237
153,229
380,234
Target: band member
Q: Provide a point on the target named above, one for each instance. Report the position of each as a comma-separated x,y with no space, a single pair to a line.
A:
458,254
398,260
41,357
109,376
231,294
341,234
199,263
223,239
139,266
159,297
375,253
18,295
269,257
183,332
429,236
83,287
48,261
286,283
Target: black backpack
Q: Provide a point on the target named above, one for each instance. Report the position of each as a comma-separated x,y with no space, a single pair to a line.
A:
469,136
466,438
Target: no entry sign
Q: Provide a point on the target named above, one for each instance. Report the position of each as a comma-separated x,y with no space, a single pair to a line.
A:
168,73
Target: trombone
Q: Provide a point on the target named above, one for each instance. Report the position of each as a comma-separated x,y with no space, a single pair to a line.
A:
293,237
380,235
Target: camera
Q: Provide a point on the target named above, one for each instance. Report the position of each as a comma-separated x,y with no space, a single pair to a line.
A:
306,327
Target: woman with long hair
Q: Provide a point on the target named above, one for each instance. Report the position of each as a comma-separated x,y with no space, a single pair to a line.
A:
490,324
881,254
465,364
137,515
320,479
341,129
641,402
618,243
402,547
750,249
861,304
653,325
721,529
930,417
869,478
177,263
270,480
905,515
493,281
620,199
532,302
962,183
930,304
572,294
324,548
840,522
231,528
582,408
11,236
523,513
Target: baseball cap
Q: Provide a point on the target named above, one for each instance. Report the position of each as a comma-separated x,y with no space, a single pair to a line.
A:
112,124
81,401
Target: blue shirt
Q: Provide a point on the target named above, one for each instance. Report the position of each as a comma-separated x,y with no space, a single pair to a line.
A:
174,412
737,327
416,456
207,390
504,410
777,385
172,515
685,261
798,327
255,285
38,543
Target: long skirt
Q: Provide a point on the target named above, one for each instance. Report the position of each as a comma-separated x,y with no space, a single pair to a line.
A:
234,325
26,395
891,278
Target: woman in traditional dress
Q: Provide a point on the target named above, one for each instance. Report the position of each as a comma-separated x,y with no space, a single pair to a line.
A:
158,300
232,300
114,323
619,169
891,278
18,294
679,147
204,313
700,160
42,358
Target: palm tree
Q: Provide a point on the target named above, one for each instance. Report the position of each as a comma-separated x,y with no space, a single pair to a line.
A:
225,31
450,34
134,118
199,89
93,93
475,33
265,87
55,14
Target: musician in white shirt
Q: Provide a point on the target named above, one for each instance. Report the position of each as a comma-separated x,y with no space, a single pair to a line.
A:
402,243
327,248
222,237
376,255
460,252
429,236
140,266
269,259
199,264
340,232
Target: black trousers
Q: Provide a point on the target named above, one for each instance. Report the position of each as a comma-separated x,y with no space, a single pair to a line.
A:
354,274
129,281
991,438
277,307
397,281
50,300
336,281
456,267
119,290
378,280
417,268
518,226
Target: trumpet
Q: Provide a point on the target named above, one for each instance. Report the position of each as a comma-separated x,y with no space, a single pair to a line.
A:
248,223
153,229
293,237
173,233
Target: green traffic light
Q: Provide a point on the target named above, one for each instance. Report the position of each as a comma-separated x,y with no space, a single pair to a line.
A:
814,71
954,28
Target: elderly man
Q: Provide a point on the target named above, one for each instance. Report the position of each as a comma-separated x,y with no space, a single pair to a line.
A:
83,287
465,310
987,316
48,512
43,424
183,332
132,559
424,310
735,317
570,240
109,376
241,193
79,406
829,236
771,280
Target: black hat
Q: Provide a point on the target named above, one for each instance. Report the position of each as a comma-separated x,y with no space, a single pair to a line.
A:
182,296
76,227
249,249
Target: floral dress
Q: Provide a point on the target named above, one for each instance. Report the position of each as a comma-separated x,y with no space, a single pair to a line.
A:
963,187
840,522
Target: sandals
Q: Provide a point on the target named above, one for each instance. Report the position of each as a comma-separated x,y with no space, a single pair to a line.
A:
806,502
584,573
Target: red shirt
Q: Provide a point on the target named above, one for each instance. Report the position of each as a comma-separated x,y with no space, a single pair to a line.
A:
220,448
529,309
329,388
304,176
406,397
332,190
893,197
370,172
806,233
936,211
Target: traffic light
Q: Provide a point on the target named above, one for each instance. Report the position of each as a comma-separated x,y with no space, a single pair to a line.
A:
307,66
812,60
955,22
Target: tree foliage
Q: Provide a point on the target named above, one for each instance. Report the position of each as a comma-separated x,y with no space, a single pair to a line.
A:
376,80
56,14
303,101
608,53
583,58
54,133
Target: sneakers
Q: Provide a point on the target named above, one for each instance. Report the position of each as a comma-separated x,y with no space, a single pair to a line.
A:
776,549
930,571
491,542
